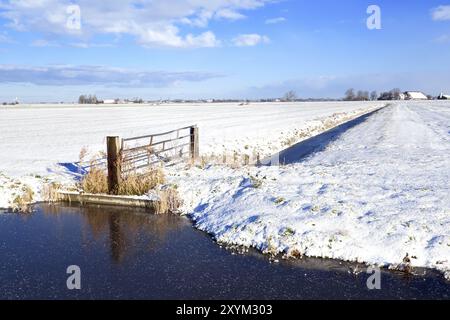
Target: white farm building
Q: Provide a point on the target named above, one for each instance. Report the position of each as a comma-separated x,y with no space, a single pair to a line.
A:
111,101
444,96
415,95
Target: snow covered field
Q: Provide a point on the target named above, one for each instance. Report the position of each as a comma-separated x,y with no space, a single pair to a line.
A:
35,138
377,193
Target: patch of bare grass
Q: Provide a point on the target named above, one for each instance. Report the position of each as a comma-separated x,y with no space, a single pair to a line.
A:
22,201
169,201
50,192
95,181
132,183
141,183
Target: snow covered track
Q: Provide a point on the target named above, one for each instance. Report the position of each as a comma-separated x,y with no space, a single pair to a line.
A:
316,143
377,193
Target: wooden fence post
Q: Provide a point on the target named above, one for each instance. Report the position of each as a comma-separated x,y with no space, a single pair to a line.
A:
113,147
194,143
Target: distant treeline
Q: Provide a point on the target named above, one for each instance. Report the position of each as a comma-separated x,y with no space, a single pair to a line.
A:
351,95
88,99
394,94
92,99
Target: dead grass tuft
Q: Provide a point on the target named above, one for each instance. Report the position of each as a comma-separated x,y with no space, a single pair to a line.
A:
132,184
140,184
96,181
256,182
169,201
50,192
21,202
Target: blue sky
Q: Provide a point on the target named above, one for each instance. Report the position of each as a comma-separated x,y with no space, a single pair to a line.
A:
219,48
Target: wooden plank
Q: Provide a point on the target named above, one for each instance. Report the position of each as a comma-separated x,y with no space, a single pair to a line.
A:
100,199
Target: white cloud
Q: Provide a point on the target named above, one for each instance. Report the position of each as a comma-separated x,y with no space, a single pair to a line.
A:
445,38
66,75
4,38
249,40
41,43
200,19
44,43
206,39
441,13
275,20
169,37
229,14
85,45
151,23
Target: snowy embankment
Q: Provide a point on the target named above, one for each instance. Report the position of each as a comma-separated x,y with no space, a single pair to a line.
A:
36,139
376,194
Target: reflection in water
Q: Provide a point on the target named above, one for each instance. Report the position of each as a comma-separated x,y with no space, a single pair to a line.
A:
123,226
117,238
133,254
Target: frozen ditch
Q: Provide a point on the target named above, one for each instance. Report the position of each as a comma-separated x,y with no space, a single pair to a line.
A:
122,253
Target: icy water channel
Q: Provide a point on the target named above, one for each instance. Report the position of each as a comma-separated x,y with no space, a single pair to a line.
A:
128,254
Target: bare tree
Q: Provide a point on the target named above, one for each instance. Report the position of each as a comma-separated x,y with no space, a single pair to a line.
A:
350,95
290,96
373,95
362,96
366,95
396,93
385,96
88,99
